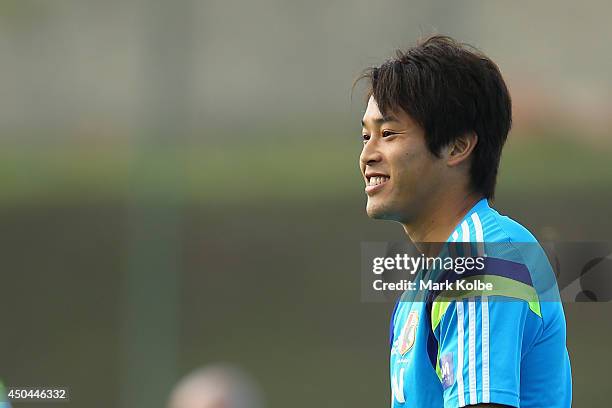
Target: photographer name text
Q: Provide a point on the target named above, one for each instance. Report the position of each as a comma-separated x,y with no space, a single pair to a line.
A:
443,286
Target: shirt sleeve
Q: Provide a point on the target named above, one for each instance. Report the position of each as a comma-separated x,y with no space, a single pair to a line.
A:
481,341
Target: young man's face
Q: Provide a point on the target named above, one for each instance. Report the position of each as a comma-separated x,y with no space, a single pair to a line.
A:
400,173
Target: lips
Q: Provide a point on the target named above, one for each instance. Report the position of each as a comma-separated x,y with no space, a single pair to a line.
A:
375,182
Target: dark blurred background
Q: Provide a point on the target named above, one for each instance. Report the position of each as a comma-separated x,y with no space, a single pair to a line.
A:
180,186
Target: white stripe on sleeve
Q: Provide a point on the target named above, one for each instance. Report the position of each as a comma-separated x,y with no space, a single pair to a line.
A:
465,237
460,391
472,349
485,350
479,234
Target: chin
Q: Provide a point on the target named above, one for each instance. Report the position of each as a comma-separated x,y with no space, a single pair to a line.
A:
389,210
372,213
377,211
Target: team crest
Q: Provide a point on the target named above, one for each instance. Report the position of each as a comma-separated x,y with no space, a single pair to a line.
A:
447,370
408,335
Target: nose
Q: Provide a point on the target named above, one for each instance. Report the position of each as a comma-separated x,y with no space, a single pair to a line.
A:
370,154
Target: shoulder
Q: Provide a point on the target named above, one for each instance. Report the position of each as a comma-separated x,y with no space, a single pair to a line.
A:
493,235
506,239
502,228
515,252
484,223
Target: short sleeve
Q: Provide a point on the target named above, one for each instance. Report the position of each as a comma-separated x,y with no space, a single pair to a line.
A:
481,341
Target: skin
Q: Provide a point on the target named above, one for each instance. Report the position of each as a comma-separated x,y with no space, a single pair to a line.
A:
428,195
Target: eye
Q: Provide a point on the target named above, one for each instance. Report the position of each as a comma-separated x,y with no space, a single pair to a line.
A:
387,133
365,138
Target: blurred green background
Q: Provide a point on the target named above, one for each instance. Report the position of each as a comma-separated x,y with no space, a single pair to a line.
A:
180,186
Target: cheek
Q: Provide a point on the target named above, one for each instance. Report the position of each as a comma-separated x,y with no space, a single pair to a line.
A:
416,170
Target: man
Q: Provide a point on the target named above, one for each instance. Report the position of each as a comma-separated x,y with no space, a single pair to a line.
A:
433,131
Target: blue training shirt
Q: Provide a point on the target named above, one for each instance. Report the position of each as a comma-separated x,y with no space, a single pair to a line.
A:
506,346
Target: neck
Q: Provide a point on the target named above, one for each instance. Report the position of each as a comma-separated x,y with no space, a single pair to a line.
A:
431,228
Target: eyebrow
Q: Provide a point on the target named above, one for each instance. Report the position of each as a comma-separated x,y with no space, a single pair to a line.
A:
380,121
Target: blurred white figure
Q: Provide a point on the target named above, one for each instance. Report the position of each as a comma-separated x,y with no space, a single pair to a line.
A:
216,386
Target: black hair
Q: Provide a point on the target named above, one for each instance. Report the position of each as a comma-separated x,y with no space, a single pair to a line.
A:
449,89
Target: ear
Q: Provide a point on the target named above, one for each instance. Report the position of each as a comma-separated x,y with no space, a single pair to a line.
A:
461,148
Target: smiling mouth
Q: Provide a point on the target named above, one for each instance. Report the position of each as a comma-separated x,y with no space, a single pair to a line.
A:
375,183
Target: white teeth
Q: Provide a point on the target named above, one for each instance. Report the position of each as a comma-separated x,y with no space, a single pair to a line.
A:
374,181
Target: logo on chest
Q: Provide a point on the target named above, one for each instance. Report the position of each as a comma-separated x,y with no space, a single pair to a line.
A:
408,334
